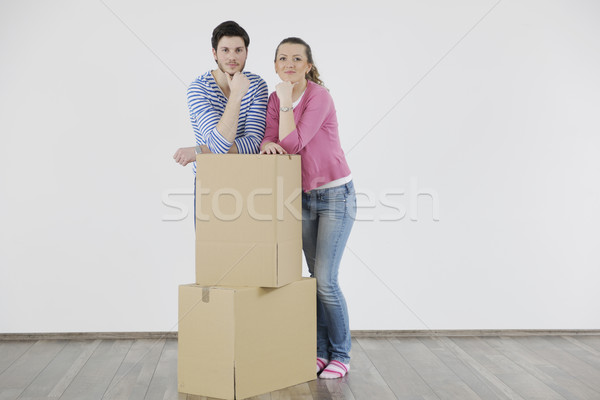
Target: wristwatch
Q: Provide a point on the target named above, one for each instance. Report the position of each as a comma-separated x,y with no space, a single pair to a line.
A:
198,150
285,109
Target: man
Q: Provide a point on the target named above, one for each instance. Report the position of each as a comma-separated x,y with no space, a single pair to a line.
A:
227,106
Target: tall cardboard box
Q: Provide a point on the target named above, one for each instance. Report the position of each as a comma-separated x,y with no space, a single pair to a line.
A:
248,220
238,342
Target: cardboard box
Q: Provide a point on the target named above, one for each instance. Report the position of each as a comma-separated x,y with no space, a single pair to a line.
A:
248,220
238,342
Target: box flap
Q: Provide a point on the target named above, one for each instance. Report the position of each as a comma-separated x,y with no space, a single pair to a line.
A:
236,264
206,350
248,264
286,337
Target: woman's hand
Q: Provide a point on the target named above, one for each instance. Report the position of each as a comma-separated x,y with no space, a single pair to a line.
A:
272,148
284,92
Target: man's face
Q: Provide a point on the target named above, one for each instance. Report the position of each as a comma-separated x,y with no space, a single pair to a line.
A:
231,54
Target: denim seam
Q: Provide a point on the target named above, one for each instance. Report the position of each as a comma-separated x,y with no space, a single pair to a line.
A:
334,257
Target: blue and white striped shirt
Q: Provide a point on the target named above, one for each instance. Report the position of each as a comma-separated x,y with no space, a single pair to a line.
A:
207,102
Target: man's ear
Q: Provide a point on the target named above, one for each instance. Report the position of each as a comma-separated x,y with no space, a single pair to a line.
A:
214,54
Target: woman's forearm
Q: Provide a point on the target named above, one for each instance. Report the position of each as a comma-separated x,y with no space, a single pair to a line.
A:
286,122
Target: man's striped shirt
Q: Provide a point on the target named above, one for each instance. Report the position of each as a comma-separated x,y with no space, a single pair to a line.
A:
207,102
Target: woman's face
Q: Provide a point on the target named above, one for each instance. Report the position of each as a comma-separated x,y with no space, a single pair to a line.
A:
291,64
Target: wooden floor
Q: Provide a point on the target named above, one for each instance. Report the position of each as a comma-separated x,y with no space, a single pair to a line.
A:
496,367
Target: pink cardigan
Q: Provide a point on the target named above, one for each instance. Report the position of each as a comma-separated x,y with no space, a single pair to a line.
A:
316,136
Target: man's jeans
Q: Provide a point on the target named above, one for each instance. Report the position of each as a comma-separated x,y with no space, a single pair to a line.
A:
327,218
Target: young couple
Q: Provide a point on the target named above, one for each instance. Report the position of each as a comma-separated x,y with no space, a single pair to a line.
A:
230,113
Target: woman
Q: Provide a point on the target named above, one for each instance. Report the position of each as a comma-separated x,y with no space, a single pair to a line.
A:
301,119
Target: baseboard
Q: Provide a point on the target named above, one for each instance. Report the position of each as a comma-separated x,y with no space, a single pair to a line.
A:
474,332
88,335
355,334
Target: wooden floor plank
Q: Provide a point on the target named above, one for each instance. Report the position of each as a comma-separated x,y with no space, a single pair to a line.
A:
11,351
588,356
96,374
265,396
564,360
518,379
400,376
490,368
557,379
163,385
483,371
296,392
592,341
432,370
577,341
319,390
364,380
15,379
466,368
331,389
133,378
59,373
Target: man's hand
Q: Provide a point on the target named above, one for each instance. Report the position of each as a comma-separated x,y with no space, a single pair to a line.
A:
272,148
185,155
238,84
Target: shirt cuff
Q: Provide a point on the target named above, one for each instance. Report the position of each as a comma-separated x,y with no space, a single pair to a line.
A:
221,144
246,145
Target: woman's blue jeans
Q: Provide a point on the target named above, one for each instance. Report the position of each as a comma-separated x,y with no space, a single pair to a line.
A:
327,218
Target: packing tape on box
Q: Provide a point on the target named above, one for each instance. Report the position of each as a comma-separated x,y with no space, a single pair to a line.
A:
205,294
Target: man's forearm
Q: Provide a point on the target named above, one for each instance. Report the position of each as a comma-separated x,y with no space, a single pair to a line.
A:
228,123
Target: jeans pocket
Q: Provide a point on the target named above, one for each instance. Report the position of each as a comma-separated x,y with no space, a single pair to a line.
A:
350,204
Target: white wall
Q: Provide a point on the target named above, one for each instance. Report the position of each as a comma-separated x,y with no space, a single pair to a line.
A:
495,119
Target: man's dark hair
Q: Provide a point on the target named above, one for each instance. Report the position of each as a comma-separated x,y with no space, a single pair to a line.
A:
228,28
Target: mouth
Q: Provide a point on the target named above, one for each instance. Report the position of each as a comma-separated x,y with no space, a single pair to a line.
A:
290,72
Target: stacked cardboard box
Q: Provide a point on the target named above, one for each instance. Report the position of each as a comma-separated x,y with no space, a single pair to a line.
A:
248,324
